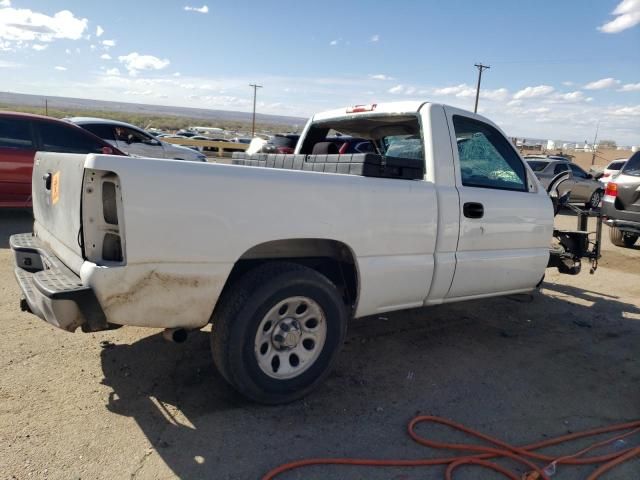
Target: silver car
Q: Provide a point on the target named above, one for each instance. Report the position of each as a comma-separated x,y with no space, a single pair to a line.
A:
135,141
584,188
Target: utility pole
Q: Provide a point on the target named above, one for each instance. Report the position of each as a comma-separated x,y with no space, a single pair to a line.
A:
253,123
480,67
46,107
595,139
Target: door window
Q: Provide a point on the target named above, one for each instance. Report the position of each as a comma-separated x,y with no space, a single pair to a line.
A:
129,135
15,133
560,167
67,139
487,160
100,130
578,172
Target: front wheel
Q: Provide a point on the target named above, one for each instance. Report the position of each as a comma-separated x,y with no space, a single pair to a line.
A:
277,332
594,201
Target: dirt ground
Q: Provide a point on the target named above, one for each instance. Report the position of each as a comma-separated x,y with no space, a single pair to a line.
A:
125,404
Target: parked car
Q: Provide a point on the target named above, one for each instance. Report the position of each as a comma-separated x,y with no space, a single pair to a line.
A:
281,143
583,187
621,204
347,144
22,135
612,169
135,141
279,255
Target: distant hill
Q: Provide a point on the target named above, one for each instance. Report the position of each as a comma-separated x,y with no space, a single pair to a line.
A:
64,103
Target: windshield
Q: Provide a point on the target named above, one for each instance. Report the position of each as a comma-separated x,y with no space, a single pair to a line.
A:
632,167
537,165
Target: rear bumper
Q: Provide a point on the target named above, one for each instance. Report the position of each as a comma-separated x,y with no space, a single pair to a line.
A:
625,220
52,291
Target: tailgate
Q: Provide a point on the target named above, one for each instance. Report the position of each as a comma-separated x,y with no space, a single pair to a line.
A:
628,192
57,192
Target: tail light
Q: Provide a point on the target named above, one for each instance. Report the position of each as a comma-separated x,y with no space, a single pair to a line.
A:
284,149
102,215
611,192
362,108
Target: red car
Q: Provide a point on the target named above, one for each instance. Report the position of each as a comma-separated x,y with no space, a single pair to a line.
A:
22,135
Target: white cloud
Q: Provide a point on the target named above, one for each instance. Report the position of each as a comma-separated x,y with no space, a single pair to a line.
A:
630,87
627,15
380,76
109,43
61,69
113,71
397,89
19,25
202,9
602,84
39,47
333,43
99,31
5,64
627,111
576,96
105,56
5,3
139,93
134,62
375,38
466,91
532,92
568,84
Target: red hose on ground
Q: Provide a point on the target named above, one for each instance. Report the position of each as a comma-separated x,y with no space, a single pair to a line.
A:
526,454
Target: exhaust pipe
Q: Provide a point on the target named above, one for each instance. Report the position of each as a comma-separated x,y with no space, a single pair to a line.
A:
175,335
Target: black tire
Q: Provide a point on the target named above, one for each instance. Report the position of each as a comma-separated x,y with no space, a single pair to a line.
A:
622,239
238,315
594,200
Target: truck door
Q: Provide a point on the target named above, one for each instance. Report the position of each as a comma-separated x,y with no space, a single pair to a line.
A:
506,218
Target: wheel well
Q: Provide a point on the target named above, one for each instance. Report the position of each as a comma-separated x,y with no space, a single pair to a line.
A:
333,259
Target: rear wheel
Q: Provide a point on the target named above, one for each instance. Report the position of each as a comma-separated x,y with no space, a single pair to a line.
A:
277,332
594,201
622,239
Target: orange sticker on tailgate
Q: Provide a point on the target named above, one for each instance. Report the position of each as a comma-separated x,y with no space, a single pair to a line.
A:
55,188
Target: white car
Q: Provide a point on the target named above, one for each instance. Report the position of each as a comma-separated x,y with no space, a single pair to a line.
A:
612,169
135,141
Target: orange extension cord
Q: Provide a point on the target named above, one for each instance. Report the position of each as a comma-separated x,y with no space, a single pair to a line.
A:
525,455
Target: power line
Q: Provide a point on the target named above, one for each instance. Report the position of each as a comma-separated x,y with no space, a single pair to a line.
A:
480,67
253,123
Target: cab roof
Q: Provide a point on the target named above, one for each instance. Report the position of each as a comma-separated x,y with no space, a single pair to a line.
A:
101,121
379,108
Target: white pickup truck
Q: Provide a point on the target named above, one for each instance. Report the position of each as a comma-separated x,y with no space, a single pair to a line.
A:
278,252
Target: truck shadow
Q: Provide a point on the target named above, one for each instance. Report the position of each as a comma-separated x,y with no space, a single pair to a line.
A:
14,221
562,359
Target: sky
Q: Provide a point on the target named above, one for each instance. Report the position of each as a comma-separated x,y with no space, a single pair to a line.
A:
558,68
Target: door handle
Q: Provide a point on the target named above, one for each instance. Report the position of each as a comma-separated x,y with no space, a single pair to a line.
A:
47,181
473,210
